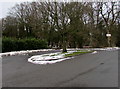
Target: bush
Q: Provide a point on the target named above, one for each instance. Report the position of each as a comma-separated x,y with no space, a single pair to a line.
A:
118,44
12,44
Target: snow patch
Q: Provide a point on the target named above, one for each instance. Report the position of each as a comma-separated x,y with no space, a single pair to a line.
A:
69,49
48,62
94,52
106,49
22,52
49,58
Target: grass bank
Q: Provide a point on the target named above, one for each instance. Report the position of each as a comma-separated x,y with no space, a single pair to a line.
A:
77,53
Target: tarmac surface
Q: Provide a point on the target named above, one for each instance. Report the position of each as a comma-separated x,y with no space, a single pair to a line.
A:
86,70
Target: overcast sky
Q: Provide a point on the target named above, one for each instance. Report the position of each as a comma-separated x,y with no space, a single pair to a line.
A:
5,5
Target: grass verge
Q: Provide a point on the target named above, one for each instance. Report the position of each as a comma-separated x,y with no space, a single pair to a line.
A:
77,53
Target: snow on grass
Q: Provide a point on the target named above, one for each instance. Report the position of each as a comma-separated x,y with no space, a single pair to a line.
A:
47,61
22,52
101,49
94,52
94,49
47,58
52,57
70,49
107,48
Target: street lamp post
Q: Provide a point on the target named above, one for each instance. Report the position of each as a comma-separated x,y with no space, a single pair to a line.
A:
90,39
108,36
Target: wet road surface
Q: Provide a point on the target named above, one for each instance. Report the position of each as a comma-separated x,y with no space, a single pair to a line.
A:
87,70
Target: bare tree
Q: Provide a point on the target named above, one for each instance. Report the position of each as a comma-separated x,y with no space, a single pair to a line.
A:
109,14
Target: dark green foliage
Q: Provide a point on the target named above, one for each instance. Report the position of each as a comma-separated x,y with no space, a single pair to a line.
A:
118,43
118,36
63,25
12,44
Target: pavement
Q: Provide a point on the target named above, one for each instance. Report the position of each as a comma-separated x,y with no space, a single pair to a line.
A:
86,70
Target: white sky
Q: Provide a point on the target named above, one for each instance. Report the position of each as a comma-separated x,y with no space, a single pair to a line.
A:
5,5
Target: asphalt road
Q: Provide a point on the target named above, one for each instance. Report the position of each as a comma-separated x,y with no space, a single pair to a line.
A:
87,70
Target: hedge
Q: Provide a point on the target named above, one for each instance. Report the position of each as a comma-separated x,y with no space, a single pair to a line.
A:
13,44
118,44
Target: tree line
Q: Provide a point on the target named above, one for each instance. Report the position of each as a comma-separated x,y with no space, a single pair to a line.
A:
65,24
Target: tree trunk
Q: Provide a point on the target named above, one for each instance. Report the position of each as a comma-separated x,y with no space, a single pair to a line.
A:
108,38
64,47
